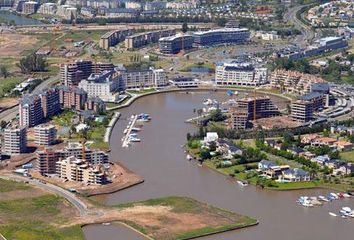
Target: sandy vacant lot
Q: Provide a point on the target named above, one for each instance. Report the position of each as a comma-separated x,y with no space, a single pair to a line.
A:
12,44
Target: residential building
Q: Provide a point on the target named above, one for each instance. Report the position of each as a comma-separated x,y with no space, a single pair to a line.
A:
30,7
50,102
185,82
30,110
228,149
150,78
15,140
248,109
294,175
301,111
304,107
77,170
95,104
72,73
210,137
175,44
48,158
112,38
46,161
221,36
265,165
72,97
104,85
45,135
141,39
122,13
240,74
295,82
48,8
67,12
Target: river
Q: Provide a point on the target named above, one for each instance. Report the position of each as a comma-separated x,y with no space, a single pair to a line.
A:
161,161
18,19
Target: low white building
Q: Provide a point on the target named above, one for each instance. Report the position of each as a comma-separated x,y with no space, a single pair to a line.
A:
210,137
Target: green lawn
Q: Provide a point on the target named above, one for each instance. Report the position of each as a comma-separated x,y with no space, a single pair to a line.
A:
295,185
64,119
7,84
347,156
34,218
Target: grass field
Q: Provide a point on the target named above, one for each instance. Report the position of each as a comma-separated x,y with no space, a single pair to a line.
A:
295,185
347,156
8,186
35,218
7,84
64,119
168,217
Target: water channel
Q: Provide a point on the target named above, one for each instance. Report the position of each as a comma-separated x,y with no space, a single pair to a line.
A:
160,159
7,16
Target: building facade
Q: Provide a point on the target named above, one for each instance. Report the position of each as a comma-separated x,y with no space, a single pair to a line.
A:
77,170
221,36
240,74
45,135
15,140
145,38
104,86
248,109
151,78
30,111
175,44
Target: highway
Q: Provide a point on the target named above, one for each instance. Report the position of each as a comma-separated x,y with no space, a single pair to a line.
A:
72,198
307,32
11,113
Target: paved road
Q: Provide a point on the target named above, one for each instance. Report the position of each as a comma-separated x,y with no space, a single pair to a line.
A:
307,32
72,198
11,113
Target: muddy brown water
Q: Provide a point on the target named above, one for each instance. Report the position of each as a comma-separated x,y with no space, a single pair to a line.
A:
161,161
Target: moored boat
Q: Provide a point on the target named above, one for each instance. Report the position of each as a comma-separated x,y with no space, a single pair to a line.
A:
332,214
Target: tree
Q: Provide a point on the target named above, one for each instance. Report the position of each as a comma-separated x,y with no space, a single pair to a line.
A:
184,27
217,116
3,124
4,72
33,63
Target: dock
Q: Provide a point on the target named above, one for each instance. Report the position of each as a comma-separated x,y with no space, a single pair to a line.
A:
130,127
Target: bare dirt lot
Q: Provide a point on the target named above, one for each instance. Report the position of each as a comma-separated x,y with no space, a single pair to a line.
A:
7,102
12,44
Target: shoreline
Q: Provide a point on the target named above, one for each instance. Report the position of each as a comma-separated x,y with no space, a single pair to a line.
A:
206,88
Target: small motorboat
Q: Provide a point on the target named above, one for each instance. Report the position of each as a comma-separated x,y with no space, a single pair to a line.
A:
106,224
335,196
242,183
208,101
323,198
189,157
332,214
134,139
346,195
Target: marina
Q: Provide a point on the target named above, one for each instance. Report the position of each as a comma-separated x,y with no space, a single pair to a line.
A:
130,132
344,212
162,163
